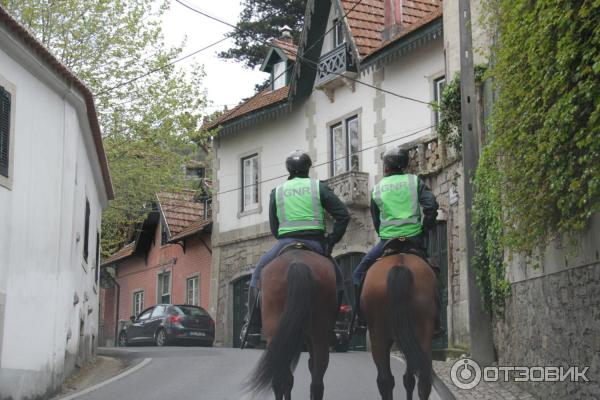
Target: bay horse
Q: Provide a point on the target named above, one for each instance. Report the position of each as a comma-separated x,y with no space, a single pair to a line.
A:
398,301
298,307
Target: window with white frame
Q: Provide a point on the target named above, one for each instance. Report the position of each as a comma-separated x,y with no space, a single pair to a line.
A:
193,291
250,183
344,146
438,89
164,288
279,75
338,33
138,302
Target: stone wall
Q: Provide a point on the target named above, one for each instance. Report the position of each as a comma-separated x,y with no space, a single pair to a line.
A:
552,317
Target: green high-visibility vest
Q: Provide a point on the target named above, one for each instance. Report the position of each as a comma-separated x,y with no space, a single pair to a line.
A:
299,206
397,197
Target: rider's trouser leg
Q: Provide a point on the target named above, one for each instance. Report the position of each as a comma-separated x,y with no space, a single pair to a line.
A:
252,318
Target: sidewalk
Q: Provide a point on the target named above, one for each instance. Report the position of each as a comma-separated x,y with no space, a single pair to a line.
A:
103,368
484,390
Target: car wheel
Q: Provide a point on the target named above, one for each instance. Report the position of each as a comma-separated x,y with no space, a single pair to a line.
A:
161,338
123,342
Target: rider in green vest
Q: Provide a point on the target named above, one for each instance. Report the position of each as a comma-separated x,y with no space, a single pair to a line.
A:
297,214
396,204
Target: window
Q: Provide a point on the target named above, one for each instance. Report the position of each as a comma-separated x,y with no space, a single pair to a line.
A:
195,172
250,183
338,33
192,291
438,89
278,76
138,302
164,288
164,234
344,146
146,314
159,311
86,233
5,114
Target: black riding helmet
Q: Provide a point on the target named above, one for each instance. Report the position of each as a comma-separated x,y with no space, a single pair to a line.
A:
395,159
298,163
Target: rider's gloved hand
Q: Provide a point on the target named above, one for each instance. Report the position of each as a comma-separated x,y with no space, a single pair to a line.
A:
328,247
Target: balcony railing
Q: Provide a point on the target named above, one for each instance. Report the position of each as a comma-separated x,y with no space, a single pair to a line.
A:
351,187
335,64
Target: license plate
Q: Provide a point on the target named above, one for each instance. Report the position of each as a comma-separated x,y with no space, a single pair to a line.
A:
197,334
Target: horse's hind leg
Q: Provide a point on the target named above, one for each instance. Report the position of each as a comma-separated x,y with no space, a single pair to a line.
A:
424,330
319,360
409,383
380,350
282,388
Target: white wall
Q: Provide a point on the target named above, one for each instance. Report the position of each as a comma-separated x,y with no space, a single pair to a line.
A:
410,75
41,219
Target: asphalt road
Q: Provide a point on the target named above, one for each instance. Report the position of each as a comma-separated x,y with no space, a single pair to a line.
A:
198,373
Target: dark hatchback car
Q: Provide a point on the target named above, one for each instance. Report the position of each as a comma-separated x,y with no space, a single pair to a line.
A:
164,324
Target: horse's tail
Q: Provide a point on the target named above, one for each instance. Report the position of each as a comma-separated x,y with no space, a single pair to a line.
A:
286,345
400,292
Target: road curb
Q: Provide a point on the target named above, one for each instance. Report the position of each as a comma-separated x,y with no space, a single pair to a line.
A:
440,387
115,378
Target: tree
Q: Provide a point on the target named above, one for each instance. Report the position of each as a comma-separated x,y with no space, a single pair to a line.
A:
260,20
147,123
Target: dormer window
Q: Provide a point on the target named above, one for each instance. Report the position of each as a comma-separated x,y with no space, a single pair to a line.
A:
279,74
338,33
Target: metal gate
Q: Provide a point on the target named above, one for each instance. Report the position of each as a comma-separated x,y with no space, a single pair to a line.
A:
240,297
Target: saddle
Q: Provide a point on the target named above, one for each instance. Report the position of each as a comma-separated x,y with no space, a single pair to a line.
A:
296,246
401,245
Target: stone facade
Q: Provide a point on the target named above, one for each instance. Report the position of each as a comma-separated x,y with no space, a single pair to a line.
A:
552,317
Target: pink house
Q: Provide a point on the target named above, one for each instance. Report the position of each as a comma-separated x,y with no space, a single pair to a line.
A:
168,262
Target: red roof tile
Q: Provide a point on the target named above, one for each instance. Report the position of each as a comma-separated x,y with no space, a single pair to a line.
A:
125,252
192,229
366,21
262,99
180,210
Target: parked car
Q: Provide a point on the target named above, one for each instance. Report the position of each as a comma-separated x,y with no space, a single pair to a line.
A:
341,341
167,323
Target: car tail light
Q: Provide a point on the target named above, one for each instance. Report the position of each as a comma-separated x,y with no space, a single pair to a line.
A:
345,308
176,319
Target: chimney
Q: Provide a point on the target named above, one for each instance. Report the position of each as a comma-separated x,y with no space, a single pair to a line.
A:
286,34
392,19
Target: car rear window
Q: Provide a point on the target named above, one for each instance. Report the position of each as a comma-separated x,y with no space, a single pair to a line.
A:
192,311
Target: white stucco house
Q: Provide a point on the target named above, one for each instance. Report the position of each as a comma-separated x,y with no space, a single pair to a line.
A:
361,79
54,184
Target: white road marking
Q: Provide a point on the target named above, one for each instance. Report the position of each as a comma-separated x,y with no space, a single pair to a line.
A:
123,374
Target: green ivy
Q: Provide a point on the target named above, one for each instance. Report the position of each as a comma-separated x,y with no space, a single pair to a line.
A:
539,176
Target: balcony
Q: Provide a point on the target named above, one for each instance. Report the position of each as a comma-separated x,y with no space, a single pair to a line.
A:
334,66
351,187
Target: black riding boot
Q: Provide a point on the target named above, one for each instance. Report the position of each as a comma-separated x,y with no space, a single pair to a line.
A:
252,320
360,326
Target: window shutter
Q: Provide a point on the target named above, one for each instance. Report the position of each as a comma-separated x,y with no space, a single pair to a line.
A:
4,130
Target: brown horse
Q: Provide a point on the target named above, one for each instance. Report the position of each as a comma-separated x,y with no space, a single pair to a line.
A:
298,308
398,301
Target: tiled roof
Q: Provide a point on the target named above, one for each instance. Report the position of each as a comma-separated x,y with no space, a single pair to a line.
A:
262,99
61,70
192,229
125,252
289,49
180,209
366,21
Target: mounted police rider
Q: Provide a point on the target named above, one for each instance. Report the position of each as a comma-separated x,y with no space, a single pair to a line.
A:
396,204
297,214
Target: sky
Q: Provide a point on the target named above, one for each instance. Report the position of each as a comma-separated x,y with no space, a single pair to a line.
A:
226,82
